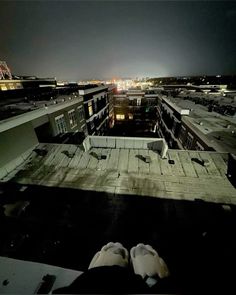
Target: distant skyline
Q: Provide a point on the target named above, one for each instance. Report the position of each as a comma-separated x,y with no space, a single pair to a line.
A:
78,40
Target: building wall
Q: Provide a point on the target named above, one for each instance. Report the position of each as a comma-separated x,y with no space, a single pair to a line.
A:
135,109
96,108
80,122
111,91
176,132
15,142
170,125
190,140
40,121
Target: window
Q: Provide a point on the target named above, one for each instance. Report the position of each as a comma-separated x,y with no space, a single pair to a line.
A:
199,147
84,129
80,114
91,124
95,105
72,118
90,108
131,116
151,102
3,87
11,86
120,117
182,133
119,101
189,141
174,126
18,85
139,101
61,124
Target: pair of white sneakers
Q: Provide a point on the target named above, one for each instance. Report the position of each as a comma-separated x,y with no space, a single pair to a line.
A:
145,260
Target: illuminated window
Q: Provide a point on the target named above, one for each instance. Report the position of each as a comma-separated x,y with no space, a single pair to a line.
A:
61,124
120,117
72,118
138,101
11,86
3,87
18,85
90,109
131,116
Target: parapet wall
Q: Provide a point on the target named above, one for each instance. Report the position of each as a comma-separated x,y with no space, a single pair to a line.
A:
156,144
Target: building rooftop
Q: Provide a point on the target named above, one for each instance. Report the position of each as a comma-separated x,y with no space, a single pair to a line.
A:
18,101
67,201
38,110
129,170
86,89
218,131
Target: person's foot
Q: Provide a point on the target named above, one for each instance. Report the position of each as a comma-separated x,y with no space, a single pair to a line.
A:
147,262
110,254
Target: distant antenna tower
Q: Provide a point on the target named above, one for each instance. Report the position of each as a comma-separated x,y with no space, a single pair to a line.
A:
5,72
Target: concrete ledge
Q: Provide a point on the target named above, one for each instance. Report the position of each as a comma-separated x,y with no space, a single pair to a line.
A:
156,144
12,165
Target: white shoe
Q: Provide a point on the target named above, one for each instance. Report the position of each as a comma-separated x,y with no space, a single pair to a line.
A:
147,262
111,254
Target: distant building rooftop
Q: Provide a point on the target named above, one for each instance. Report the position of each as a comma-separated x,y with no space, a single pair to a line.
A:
86,89
132,166
217,130
37,111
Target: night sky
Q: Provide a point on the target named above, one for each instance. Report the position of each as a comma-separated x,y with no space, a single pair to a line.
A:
105,39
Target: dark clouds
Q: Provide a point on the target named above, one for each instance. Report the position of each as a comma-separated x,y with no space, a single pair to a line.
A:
76,40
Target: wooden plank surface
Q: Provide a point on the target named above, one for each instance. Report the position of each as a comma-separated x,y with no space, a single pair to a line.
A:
133,161
177,168
155,163
123,160
83,162
200,170
142,165
187,164
102,164
113,160
165,167
211,168
220,163
74,162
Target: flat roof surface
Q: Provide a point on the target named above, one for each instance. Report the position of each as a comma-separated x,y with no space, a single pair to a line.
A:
124,171
211,126
15,121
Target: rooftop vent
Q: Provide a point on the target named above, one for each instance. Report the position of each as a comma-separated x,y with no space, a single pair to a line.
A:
205,162
98,156
147,159
68,154
41,152
101,157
